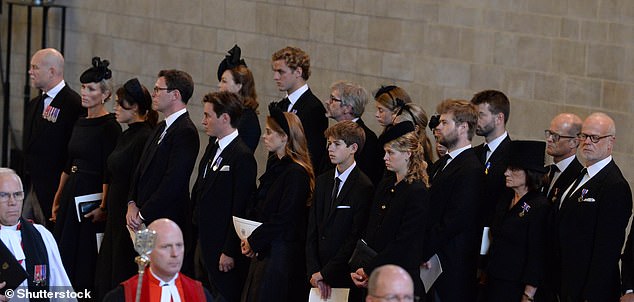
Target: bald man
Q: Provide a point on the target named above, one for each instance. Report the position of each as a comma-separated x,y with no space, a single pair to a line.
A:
390,283
592,219
162,280
48,124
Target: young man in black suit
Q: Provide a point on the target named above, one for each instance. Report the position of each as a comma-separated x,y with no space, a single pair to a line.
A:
225,183
339,212
347,102
160,185
291,70
454,196
592,219
48,125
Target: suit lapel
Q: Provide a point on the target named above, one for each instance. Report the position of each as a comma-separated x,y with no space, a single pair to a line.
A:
591,186
227,155
342,196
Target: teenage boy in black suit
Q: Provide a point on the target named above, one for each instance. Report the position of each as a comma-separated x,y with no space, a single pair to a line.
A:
226,180
339,212
48,124
291,70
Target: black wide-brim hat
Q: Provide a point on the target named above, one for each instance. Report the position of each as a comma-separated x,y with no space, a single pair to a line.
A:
396,131
528,155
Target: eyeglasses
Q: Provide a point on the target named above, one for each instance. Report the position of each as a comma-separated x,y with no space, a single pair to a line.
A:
556,136
157,89
593,138
334,99
397,298
6,196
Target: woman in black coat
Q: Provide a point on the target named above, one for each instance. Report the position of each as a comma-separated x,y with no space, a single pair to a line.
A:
398,213
115,262
234,76
516,254
277,269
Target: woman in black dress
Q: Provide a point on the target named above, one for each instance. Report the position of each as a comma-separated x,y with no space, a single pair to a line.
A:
93,138
234,76
115,262
516,255
277,269
399,211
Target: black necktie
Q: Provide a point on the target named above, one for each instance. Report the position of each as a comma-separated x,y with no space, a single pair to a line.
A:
212,153
484,154
442,162
583,173
283,105
335,191
41,105
551,175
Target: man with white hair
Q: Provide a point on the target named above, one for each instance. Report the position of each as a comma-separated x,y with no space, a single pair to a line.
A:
32,245
390,283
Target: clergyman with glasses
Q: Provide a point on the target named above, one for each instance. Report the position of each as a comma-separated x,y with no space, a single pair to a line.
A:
32,245
591,221
390,283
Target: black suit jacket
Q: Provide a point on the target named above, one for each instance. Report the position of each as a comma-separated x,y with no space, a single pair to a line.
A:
494,180
312,113
334,230
565,179
160,186
591,231
370,158
45,143
217,197
453,233
627,264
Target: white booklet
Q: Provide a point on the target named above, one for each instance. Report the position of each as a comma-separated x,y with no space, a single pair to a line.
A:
484,246
86,203
429,275
336,295
244,227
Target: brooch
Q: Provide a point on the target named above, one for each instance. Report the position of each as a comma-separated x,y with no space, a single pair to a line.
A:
525,209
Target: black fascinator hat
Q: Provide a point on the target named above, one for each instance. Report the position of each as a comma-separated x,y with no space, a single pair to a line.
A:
396,131
231,60
134,89
97,73
278,116
384,89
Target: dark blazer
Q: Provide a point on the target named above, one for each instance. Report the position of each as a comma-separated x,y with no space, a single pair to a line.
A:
494,180
249,128
370,158
312,113
453,233
518,238
591,231
160,186
45,143
627,264
396,226
565,179
217,197
334,230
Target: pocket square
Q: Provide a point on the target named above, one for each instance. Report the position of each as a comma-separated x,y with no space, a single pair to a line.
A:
224,169
343,207
590,199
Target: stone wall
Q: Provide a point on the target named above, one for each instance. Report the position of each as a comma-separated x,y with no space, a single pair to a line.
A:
549,56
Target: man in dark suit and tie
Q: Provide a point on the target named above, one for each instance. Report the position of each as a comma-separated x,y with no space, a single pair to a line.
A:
454,196
160,185
48,125
561,144
291,70
347,102
225,183
339,212
592,219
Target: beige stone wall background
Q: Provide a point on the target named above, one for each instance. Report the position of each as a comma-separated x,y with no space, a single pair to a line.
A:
549,56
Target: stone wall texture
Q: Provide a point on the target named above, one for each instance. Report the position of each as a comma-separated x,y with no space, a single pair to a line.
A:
549,56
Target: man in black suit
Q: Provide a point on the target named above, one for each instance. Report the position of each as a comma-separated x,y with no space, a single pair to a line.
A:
561,144
339,212
347,102
592,219
48,125
226,180
454,196
291,70
160,185
493,114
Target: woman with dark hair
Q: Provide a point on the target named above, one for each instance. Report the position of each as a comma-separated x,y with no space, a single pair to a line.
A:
516,254
277,270
400,208
93,139
133,107
234,76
